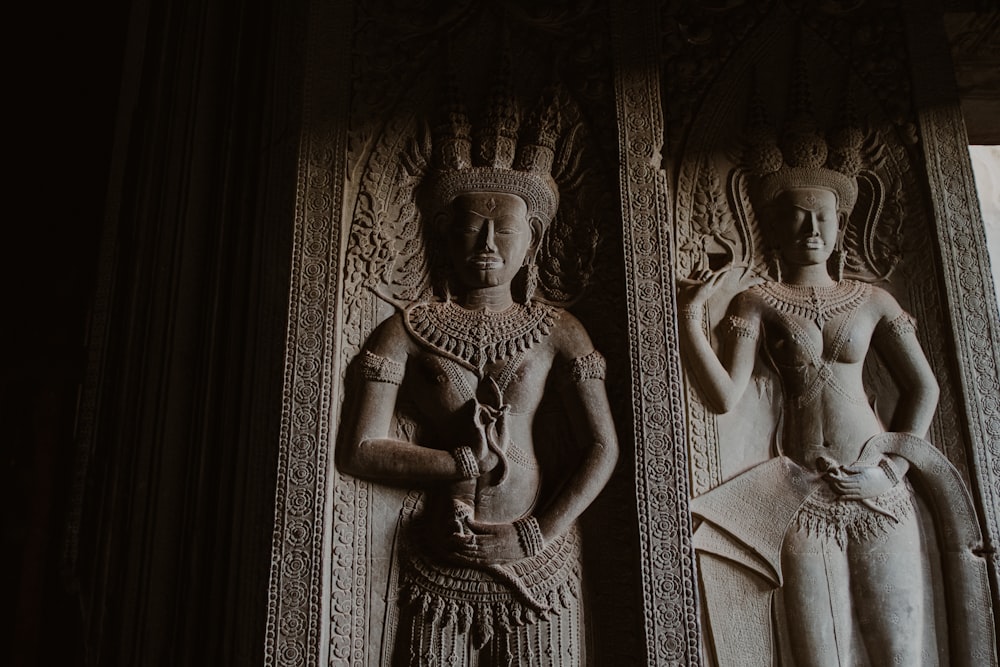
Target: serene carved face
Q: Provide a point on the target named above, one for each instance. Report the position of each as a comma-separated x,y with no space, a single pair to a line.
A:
488,238
805,225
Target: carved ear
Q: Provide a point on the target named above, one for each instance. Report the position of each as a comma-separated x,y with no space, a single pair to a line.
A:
537,230
843,222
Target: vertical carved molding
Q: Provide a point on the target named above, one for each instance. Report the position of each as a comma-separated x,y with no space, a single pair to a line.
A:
669,587
972,307
298,627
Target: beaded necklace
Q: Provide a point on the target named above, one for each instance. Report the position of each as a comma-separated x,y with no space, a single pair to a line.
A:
819,304
478,337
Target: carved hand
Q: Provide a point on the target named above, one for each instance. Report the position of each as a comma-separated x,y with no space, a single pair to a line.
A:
487,543
858,482
696,290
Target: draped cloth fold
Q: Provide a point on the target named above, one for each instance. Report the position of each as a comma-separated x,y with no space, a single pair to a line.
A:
743,526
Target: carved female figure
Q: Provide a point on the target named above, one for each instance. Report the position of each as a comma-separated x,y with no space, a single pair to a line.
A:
490,571
831,523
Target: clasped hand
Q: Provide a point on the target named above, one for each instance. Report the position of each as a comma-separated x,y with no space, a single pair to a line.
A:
858,482
480,543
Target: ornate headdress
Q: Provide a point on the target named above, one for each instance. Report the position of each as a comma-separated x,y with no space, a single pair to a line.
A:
802,157
507,157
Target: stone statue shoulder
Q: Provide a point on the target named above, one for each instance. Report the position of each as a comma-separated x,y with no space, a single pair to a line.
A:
570,339
391,340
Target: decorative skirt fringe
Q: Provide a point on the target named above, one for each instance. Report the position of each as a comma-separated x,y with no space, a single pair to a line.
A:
495,599
826,515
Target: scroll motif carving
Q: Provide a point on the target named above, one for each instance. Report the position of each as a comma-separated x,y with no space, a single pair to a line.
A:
295,608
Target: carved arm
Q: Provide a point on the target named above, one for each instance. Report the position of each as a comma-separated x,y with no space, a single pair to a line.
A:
720,381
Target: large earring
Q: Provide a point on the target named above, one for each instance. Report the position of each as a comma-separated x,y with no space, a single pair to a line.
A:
442,274
774,261
839,251
530,282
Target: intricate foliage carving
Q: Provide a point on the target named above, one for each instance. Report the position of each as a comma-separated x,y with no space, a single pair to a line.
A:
975,322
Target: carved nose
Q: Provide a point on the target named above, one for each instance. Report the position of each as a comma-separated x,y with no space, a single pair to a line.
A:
489,237
813,223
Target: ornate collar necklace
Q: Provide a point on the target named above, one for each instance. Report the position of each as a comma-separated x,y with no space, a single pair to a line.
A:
475,338
819,304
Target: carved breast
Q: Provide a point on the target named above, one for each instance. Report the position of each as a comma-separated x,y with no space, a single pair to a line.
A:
840,341
442,389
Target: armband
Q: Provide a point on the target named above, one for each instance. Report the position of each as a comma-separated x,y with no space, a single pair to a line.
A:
588,367
529,534
742,327
468,466
381,369
902,324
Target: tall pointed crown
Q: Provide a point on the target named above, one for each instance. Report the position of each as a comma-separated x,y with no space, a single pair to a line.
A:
502,155
802,156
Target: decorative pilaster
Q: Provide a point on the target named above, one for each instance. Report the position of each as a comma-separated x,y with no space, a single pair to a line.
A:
669,584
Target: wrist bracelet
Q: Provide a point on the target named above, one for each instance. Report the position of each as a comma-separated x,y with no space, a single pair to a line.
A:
529,534
890,470
696,313
468,466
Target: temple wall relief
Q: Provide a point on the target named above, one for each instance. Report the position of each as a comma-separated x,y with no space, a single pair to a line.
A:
369,253
515,225
768,100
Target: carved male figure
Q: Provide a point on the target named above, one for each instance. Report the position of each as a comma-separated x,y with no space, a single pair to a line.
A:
490,564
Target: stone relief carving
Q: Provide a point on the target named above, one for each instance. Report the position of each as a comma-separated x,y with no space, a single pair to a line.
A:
661,490
710,56
851,539
396,66
358,230
451,396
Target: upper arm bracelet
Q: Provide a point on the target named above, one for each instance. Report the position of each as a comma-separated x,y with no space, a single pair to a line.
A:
743,327
902,324
381,369
588,367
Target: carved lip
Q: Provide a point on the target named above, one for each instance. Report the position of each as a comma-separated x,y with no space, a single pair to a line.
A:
813,243
486,261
